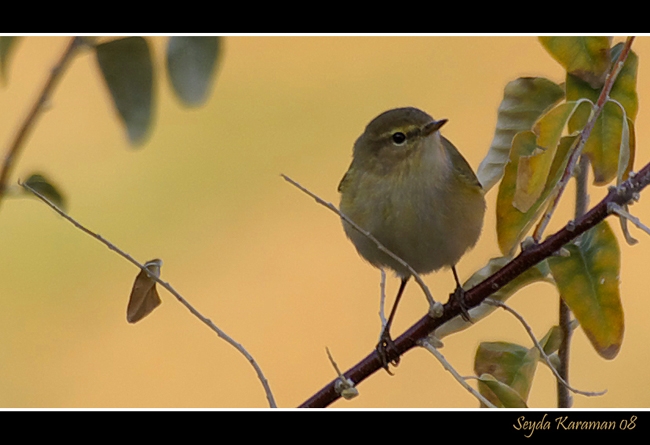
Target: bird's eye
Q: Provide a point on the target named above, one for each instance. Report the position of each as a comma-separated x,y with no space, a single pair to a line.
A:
398,138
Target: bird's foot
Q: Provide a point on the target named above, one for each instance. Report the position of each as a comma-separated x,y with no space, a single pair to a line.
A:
459,297
387,351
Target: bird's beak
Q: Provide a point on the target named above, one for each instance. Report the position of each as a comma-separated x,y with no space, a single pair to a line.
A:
433,126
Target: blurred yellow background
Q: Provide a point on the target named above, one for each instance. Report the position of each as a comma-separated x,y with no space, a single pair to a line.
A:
263,261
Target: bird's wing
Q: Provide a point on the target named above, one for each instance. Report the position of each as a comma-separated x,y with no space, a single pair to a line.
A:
465,172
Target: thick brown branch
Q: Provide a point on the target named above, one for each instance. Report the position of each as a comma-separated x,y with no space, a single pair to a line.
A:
621,195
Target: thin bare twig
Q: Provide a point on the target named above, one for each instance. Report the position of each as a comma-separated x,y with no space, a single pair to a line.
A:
459,378
564,398
435,308
583,136
620,211
521,319
345,387
17,144
179,297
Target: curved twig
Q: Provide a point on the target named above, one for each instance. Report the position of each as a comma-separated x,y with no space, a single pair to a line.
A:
179,297
459,378
541,350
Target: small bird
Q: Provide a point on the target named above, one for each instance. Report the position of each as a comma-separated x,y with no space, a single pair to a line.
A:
414,192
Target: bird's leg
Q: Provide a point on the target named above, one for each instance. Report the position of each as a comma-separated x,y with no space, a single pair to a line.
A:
386,346
459,297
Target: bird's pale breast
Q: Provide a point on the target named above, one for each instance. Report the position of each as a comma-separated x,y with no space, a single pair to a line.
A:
428,218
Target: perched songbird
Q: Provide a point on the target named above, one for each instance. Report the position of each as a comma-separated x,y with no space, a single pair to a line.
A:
414,192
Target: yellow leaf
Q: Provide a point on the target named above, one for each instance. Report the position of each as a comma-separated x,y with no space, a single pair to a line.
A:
512,224
588,281
500,394
511,364
534,169
524,101
603,145
585,57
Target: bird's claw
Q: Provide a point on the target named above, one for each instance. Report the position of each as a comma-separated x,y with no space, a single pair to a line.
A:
387,351
459,297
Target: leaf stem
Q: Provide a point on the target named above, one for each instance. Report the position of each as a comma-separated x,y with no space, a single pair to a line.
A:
539,347
583,136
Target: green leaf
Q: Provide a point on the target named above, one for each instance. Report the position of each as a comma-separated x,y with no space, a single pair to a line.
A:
511,364
624,174
588,282
624,89
505,395
632,152
585,57
533,170
512,224
524,101
624,150
552,340
603,144
551,343
539,272
43,186
555,360
625,163
128,71
191,64
7,44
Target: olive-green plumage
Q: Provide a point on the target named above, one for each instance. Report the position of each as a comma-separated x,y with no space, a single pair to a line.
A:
412,190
